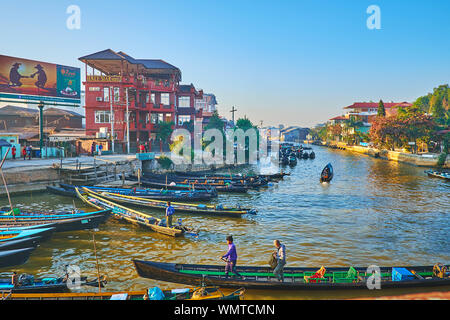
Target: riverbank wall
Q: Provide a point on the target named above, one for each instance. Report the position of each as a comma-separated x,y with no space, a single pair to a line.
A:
420,160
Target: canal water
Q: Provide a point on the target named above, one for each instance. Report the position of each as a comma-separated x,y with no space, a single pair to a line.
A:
373,212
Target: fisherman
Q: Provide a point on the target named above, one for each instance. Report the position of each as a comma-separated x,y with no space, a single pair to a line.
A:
280,255
231,258
169,214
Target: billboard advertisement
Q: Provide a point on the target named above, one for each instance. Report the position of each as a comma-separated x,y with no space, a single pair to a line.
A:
36,80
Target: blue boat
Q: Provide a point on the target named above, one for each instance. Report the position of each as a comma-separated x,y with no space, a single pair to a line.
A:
23,238
15,257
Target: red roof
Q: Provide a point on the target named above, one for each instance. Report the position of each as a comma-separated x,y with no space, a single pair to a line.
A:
339,118
367,105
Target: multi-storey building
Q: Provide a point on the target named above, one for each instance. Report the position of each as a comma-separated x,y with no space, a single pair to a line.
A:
116,82
208,106
186,98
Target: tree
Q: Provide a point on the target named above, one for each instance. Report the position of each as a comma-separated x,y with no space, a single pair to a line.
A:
164,130
215,122
381,110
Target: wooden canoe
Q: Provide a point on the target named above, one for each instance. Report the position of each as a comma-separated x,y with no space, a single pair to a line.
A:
15,257
294,278
198,293
438,174
179,207
133,216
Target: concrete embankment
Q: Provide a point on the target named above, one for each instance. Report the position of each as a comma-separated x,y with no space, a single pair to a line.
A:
420,160
25,176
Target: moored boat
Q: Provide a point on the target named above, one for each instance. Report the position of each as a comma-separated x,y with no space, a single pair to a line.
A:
197,293
438,174
351,278
164,195
212,210
23,238
15,257
130,215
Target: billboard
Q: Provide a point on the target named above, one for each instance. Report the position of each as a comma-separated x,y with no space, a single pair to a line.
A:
35,80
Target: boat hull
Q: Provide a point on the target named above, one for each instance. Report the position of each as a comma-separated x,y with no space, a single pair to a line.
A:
170,272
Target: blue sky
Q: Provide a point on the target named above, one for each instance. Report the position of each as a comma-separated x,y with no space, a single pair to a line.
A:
294,62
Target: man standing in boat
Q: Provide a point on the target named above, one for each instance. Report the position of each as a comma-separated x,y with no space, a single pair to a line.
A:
169,214
280,255
231,258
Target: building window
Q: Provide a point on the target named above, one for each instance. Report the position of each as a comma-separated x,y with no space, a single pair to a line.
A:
165,99
153,98
160,117
116,94
183,119
102,117
105,94
184,102
154,118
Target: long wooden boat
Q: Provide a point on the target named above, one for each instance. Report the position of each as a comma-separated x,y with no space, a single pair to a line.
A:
183,186
272,177
23,238
198,293
136,217
90,221
243,182
163,195
27,284
179,207
294,278
327,173
9,258
438,174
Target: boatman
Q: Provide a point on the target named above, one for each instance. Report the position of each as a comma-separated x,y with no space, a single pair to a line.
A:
280,255
169,214
231,258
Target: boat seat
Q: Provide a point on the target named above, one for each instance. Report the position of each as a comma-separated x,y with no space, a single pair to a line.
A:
345,277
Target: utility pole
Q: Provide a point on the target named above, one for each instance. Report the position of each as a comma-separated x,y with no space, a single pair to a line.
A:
111,117
128,124
233,110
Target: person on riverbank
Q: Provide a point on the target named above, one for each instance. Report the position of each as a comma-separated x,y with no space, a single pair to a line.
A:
24,153
100,148
29,152
169,214
142,148
93,149
280,255
231,258
13,152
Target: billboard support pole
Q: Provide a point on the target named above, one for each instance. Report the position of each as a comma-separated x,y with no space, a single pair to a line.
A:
41,127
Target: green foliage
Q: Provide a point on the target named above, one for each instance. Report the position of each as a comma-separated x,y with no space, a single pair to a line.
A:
436,104
381,109
165,162
215,122
319,133
164,130
441,159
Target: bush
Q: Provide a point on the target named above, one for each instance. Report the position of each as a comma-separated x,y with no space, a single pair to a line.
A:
165,162
441,159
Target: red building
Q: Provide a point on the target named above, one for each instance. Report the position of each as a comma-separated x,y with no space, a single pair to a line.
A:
186,98
148,87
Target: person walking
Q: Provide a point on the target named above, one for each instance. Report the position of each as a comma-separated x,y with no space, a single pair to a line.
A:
24,152
100,148
92,149
13,152
280,255
169,214
230,258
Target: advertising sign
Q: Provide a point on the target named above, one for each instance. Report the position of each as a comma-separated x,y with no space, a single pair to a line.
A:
35,80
